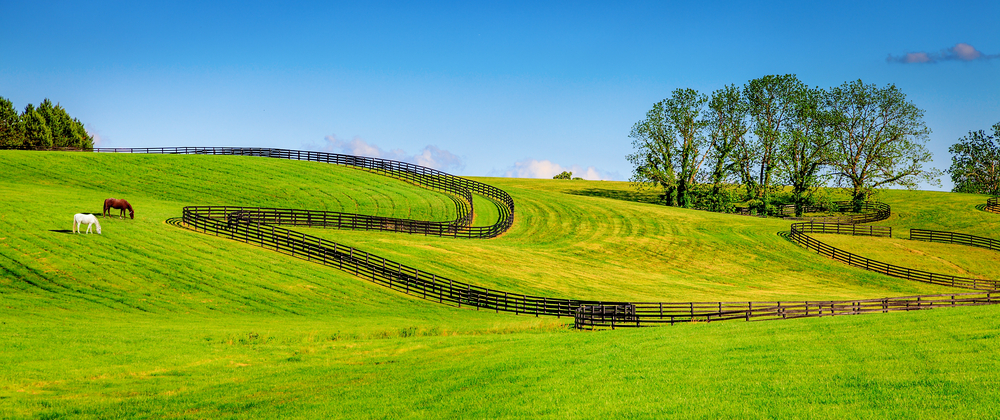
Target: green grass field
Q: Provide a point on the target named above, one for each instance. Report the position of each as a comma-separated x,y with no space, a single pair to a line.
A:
152,320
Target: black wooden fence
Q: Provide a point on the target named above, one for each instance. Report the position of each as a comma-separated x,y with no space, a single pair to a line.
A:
380,270
954,238
799,234
993,205
868,212
660,313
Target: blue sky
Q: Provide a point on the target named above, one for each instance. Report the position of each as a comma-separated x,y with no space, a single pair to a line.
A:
472,88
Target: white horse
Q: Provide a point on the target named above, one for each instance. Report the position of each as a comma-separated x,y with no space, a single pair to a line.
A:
89,219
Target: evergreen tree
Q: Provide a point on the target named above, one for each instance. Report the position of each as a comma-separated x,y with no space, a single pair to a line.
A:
49,125
66,131
10,124
36,132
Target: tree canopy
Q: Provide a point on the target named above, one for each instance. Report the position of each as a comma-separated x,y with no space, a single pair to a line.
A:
975,162
879,139
49,125
776,131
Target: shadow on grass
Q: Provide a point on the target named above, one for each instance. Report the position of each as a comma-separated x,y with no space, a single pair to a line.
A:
61,230
649,197
982,207
177,222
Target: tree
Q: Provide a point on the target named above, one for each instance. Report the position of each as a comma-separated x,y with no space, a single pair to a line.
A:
668,144
975,162
36,132
564,175
770,104
879,139
653,158
685,111
806,148
727,128
10,124
66,131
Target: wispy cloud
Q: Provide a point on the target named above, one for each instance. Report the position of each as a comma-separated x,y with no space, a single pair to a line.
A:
533,168
98,139
960,52
430,156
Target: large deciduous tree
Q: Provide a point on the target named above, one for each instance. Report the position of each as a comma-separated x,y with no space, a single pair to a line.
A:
879,139
806,147
668,144
975,162
653,157
770,105
727,128
685,110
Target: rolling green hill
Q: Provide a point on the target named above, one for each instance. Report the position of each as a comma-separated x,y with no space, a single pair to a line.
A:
150,319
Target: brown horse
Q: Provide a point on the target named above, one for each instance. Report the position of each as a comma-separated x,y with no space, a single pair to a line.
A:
114,203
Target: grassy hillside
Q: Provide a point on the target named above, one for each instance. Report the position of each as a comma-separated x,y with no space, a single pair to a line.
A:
151,320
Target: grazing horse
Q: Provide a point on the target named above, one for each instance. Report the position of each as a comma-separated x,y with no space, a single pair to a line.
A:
118,204
89,219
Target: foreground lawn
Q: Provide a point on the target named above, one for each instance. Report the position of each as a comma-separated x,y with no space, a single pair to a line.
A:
152,320
931,364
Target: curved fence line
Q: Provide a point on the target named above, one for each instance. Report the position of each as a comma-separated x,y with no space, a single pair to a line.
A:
799,235
255,225
869,212
993,205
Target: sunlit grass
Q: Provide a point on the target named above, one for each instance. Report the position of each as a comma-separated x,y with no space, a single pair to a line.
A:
151,320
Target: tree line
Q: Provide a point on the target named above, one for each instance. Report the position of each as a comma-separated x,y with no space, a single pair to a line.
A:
48,125
975,162
774,141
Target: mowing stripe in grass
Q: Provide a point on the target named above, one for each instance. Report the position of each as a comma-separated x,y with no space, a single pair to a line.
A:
256,225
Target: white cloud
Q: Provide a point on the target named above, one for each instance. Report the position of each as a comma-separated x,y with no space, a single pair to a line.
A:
960,52
918,57
430,156
98,139
546,169
965,52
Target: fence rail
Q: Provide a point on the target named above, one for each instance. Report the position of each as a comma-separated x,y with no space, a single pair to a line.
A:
657,313
382,271
993,205
867,213
799,234
954,238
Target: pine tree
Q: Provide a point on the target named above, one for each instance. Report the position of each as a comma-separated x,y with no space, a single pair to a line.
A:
36,132
10,124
